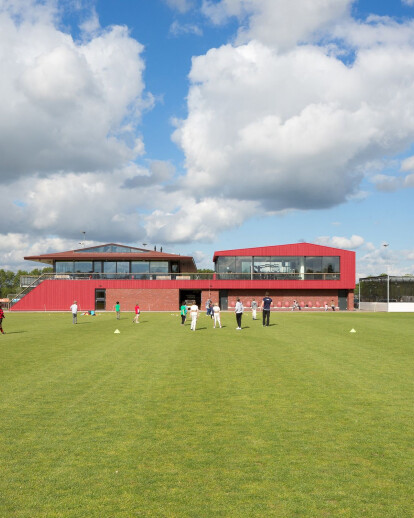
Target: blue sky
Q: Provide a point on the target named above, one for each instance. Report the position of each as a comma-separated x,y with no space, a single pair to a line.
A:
202,125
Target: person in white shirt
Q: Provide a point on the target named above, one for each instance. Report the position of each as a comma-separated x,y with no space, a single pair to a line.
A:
216,314
194,316
254,309
239,312
74,309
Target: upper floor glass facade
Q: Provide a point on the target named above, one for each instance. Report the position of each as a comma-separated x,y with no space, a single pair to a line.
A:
278,268
117,269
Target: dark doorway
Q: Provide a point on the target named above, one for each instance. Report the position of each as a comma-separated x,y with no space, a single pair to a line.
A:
343,300
224,300
190,297
100,300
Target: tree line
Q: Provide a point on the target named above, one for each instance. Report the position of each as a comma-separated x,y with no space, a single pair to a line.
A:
10,281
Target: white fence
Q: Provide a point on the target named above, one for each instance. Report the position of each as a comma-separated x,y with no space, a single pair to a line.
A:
392,307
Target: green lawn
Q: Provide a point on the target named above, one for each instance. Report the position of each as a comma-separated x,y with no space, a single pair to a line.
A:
300,419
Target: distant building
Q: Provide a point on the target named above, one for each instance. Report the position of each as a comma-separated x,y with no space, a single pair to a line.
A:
99,276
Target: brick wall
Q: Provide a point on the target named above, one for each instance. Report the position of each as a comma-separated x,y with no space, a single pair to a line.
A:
148,299
284,299
205,295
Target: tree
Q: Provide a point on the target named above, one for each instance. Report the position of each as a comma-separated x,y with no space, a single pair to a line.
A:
10,281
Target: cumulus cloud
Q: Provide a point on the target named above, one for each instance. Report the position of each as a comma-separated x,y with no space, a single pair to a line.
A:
351,243
14,246
297,126
160,172
278,23
197,220
66,105
408,164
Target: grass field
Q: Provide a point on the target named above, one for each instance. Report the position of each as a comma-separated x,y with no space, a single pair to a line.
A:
300,419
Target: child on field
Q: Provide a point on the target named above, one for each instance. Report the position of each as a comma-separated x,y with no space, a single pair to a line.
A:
137,312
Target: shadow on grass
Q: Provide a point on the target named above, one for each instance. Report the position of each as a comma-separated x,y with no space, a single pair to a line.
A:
80,323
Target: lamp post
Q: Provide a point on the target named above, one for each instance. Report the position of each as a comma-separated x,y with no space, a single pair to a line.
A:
385,245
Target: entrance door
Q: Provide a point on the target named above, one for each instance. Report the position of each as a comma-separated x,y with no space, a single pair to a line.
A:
100,299
224,300
190,297
343,300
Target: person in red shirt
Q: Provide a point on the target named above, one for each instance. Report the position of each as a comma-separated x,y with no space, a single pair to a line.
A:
137,312
2,315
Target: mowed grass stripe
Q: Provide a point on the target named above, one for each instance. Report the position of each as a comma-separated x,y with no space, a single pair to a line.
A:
298,419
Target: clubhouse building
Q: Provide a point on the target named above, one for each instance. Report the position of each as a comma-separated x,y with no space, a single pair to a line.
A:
98,277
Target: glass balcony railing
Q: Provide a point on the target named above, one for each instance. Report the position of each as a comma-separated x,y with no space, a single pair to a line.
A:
32,281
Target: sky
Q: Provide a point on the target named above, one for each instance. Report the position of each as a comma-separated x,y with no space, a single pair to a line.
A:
203,125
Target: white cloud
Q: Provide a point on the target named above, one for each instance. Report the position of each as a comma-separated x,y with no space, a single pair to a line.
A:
297,128
345,243
380,259
182,6
14,246
278,23
178,29
408,164
301,147
65,105
197,220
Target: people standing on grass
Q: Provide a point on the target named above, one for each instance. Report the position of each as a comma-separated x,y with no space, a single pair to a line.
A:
194,316
208,307
333,305
74,309
2,315
137,313
254,309
118,310
183,312
266,303
217,320
239,312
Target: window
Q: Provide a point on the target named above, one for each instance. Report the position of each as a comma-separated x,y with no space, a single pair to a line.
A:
244,265
319,265
82,267
159,266
313,264
263,265
112,249
122,267
226,265
109,267
64,266
140,267
330,264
